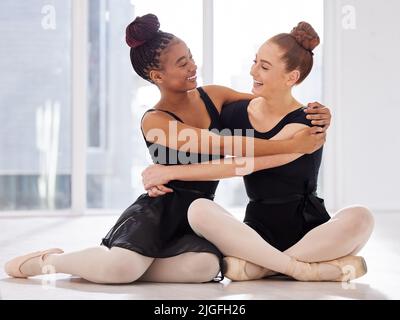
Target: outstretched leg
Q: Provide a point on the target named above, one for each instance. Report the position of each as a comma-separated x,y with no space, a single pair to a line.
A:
234,238
97,264
190,267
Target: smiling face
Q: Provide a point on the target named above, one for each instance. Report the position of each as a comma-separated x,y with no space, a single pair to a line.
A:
269,72
178,69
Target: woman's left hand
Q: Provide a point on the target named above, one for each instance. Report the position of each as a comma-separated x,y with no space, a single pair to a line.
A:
155,175
319,114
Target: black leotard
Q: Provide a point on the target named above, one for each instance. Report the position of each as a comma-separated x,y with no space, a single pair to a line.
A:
283,204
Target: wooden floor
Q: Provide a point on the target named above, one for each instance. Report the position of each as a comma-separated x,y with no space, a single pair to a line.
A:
22,235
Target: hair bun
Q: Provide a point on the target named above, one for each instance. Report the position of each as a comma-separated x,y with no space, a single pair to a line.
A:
141,30
306,36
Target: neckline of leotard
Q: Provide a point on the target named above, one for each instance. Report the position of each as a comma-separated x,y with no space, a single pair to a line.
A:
278,126
210,106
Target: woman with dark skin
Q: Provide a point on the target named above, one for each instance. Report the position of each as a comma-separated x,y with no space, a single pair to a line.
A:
152,240
283,210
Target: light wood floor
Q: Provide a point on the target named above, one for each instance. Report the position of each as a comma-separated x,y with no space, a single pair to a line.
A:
22,235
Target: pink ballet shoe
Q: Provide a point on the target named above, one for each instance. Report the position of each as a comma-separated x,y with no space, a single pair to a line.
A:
13,267
235,269
351,267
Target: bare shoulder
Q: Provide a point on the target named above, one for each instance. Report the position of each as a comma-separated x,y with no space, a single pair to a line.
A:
155,119
216,91
289,131
217,94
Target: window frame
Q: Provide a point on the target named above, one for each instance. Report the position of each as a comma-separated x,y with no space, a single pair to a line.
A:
80,104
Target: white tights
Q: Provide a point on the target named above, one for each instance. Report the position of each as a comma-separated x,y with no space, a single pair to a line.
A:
346,233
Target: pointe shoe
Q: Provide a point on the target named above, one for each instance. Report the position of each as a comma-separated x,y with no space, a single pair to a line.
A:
235,269
351,267
13,267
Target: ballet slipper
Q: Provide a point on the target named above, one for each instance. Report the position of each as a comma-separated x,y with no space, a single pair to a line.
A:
303,271
351,267
13,267
235,269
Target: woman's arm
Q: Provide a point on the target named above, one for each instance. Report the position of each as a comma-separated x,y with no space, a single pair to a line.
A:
220,169
221,95
158,175
162,129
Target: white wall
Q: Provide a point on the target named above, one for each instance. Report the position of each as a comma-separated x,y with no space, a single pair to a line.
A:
361,85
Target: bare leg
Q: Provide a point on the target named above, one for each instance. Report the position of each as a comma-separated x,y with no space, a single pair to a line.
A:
190,267
236,239
97,264
345,234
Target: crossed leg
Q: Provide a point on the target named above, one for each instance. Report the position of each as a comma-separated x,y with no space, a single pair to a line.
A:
345,234
236,239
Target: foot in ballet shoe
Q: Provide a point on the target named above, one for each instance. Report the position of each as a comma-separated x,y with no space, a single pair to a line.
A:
302,271
13,267
235,269
348,268
352,267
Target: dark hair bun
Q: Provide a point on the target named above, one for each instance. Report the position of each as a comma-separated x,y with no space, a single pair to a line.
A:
305,36
141,30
